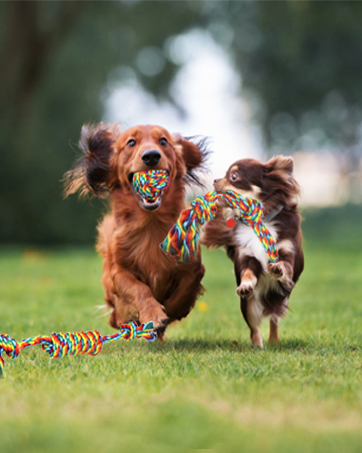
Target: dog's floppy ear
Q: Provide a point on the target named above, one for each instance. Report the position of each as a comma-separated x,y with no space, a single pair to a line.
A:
93,172
194,153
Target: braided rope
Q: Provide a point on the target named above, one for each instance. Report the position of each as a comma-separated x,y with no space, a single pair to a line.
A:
150,184
73,343
182,240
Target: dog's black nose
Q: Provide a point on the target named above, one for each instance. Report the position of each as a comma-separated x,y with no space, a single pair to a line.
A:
151,157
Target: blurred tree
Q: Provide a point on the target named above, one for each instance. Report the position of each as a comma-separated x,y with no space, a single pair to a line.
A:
301,65
55,59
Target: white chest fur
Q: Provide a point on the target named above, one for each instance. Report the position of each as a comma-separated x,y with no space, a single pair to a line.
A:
249,244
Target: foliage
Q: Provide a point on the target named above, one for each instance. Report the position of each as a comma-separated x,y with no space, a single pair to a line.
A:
300,63
205,386
56,58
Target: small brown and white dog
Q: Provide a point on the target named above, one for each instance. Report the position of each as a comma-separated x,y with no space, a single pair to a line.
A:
264,287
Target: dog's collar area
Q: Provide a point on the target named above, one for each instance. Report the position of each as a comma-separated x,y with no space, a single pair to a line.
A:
272,214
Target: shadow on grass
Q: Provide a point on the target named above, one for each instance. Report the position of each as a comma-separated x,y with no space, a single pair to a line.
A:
313,346
202,345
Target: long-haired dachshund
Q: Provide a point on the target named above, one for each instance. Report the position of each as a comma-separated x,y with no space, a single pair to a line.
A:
141,282
264,288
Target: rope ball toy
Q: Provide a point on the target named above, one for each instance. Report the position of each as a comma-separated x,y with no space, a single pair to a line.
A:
151,184
181,243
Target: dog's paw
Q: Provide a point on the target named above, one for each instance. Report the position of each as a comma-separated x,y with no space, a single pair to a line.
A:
276,270
161,333
156,314
245,289
281,273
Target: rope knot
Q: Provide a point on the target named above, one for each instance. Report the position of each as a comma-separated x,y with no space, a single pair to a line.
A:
203,209
132,330
11,348
147,331
253,213
129,331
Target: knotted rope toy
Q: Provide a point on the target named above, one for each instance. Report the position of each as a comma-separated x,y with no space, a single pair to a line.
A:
74,343
182,240
151,184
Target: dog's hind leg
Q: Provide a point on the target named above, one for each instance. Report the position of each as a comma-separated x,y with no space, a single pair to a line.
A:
247,272
274,324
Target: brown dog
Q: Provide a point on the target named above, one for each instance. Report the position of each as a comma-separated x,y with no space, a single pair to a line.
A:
263,287
141,282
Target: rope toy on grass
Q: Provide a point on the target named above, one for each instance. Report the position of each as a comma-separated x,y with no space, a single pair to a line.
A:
151,184
182,240
74,343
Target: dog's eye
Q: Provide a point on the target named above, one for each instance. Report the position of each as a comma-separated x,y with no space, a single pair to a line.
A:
234,176
131,143
163,142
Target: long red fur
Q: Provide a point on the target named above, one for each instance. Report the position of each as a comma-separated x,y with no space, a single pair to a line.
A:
141,282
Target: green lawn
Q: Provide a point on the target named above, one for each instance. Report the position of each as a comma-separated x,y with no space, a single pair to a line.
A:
205,387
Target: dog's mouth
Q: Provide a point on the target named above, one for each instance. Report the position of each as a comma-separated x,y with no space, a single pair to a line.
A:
149,204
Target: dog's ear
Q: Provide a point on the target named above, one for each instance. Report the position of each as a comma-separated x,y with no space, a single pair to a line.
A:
281,163
194,153
93,172
280,179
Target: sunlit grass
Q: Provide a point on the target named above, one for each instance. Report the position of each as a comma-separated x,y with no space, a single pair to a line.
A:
205,386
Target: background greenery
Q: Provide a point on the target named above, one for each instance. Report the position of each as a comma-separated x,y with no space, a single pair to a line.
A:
205,386
300,63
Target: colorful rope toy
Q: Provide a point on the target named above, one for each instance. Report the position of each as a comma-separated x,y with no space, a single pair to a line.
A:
73,343
151,184
182,240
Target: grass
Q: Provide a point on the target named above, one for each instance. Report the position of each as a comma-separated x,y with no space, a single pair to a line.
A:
205,387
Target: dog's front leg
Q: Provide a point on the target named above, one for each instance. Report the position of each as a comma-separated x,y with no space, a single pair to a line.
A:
138,296
248,282
284,268
247,273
